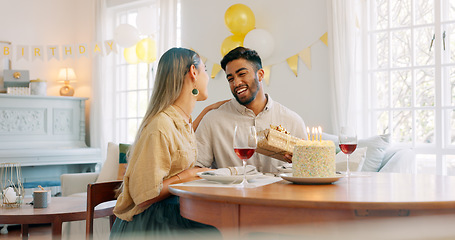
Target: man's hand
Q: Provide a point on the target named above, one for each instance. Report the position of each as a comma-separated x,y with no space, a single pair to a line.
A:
288,157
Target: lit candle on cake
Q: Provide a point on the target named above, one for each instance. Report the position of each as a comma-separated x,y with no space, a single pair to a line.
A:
320,133
308,132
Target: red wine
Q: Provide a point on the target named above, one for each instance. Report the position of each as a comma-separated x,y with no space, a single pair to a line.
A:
244,153
348,148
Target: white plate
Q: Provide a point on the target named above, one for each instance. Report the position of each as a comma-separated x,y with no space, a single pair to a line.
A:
311,180
227,179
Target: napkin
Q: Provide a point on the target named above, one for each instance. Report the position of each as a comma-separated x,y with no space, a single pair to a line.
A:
287,167
229,171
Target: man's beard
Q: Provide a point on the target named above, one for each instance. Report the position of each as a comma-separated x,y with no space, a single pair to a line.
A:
253,93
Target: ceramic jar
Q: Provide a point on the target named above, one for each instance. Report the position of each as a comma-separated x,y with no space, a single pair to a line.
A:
38,87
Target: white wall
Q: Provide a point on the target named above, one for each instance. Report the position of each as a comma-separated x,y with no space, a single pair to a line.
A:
51,22
295,25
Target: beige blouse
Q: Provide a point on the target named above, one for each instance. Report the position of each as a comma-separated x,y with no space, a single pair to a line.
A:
166,147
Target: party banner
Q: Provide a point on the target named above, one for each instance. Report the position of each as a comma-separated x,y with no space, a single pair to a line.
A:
57,52
215,70
293,63
324,39
304,55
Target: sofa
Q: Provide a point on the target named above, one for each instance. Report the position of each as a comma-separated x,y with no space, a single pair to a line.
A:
376,154
75,185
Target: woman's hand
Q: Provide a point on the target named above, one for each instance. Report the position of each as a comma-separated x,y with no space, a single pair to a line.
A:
185,176
192,172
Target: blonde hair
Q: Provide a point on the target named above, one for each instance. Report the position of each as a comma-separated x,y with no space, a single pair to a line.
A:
174,64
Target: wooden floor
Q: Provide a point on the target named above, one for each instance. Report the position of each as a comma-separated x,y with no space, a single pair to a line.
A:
36,232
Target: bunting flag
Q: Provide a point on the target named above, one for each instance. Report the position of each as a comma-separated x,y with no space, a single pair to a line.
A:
68,51
215,70
305,55
22,52
82,50
293,62
97,49
204,59
324,39
37,52
267,70
53,52
110,47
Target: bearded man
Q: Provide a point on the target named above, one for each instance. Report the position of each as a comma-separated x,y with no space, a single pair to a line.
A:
250,107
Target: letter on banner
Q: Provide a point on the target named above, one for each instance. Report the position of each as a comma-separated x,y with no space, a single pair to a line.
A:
53,52
6,51
22,52
97,49
82,50
67,51
110,46
37,53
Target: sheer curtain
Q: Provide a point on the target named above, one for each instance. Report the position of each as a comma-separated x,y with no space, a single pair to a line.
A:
345,62
102,109
97,129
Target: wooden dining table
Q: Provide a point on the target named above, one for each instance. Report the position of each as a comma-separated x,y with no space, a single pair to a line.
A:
235,211
59,210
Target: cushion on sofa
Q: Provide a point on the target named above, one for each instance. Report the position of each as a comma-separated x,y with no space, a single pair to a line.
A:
110,167
122,160
375,153
333,138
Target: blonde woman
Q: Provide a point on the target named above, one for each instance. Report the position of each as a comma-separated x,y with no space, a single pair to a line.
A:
163,152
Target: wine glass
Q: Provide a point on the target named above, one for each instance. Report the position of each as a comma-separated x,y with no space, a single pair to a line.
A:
348,143
245,142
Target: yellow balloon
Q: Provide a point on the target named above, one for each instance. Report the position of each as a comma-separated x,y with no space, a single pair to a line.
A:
130,55
146,50
239,18
230,43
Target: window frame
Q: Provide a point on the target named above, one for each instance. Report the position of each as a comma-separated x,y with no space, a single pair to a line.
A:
442,147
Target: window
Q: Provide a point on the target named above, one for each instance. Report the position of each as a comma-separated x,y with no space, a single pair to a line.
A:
411,78
131,84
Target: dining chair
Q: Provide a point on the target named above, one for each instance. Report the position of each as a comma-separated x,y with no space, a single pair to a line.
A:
98,193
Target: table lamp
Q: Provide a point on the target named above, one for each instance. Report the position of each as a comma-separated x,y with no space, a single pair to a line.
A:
66,75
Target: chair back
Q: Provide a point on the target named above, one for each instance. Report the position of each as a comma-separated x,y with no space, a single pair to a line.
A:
98,193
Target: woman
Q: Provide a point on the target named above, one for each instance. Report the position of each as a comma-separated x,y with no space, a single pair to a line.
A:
163,152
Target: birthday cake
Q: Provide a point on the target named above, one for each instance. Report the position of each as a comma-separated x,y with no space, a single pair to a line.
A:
313,159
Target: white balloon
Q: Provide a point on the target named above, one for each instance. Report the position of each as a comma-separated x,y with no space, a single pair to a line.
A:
144,21
261,41
126,35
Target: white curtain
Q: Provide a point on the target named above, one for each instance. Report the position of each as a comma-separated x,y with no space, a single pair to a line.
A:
102,108
97,129
345,69
168,25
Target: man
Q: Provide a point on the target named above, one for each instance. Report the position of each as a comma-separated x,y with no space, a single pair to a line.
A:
215,132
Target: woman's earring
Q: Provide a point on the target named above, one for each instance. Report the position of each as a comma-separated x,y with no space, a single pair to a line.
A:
195,92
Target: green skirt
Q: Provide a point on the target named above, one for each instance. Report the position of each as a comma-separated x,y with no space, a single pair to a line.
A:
162,220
